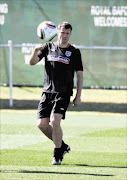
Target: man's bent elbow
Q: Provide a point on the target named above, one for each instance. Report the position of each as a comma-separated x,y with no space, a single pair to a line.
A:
31,63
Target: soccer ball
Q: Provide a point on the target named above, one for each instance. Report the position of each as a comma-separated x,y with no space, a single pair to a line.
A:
47,30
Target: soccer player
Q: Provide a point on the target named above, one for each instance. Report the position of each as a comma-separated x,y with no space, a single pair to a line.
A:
62,60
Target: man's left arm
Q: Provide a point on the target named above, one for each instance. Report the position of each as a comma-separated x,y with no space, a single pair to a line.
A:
77,98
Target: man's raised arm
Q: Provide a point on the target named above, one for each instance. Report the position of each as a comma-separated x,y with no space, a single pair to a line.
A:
34,59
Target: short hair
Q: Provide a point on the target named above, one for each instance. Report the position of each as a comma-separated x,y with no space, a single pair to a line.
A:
65,25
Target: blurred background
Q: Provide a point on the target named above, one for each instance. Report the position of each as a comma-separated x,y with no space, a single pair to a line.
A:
96,130
99,30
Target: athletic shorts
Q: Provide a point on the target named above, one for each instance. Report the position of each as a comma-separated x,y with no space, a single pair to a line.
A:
52,103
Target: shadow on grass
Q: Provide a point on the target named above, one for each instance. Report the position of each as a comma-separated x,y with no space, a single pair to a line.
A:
88,106
86,165
52,172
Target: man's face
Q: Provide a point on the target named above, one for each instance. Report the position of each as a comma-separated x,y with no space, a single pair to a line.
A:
64,35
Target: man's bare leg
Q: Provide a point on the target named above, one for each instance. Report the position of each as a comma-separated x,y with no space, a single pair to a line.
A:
57,133
53,131
45,127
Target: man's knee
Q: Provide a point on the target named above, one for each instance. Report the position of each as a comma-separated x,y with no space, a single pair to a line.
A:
55,119
42,123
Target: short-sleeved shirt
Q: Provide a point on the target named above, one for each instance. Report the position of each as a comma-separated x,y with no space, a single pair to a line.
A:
60,65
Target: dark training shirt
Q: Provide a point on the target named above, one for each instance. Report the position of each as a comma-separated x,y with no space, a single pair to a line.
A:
60,65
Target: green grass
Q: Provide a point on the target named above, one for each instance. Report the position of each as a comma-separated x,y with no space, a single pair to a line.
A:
88,95
98,147
97,140
117,133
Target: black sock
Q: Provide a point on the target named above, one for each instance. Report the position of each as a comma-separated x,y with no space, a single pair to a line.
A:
56,151
62,143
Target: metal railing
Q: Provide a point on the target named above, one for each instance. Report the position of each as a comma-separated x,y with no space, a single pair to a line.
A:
10,45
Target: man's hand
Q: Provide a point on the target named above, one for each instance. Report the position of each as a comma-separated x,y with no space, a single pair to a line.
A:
77,98
76,101
38,47
34,59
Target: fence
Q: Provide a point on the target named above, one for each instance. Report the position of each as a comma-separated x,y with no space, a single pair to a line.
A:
10,45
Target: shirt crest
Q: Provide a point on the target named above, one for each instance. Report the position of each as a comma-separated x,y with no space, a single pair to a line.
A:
68,53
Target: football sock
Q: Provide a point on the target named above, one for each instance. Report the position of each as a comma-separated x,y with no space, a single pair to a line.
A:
62,143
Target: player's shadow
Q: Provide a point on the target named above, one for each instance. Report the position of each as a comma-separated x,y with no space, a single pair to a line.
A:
84,106
54,172
86,165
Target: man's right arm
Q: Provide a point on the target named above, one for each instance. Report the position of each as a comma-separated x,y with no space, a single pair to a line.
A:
34,59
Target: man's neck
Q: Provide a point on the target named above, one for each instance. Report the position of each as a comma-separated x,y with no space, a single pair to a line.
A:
62,45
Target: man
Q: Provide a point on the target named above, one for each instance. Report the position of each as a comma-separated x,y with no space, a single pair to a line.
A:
61,61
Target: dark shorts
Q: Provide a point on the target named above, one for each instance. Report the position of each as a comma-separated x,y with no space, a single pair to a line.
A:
52,103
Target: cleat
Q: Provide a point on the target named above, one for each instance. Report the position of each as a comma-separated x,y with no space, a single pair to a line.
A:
59,153
56,162
57,156
65,149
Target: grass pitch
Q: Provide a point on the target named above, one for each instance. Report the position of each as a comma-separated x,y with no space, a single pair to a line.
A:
97,141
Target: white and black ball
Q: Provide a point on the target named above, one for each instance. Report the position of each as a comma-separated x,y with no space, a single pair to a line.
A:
46,30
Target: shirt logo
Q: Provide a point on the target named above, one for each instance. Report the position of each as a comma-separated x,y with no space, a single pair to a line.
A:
68,53
62,109
62,59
